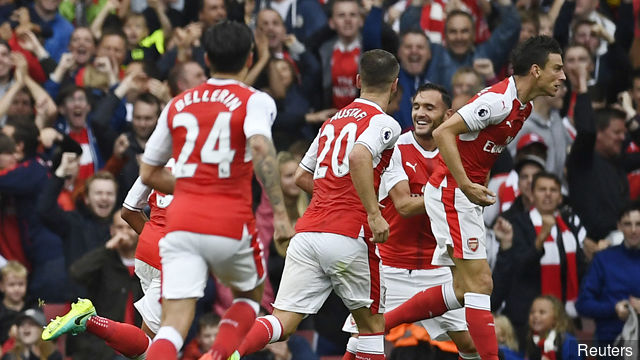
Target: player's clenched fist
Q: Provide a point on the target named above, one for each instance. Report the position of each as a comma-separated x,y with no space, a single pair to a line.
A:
379,228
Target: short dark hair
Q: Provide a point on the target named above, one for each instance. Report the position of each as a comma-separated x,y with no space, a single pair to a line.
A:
458,12
7,145
69,90
228,45
603,117
628,208
114,31
545,175
536,51
25,132
446,97
150,99
378,68
207,320
580,22
414,31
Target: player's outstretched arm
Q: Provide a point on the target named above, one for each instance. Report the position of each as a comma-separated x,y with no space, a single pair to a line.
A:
361,169
265,166
406,204
445,137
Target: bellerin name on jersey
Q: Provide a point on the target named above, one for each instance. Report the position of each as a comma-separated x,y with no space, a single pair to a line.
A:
229,99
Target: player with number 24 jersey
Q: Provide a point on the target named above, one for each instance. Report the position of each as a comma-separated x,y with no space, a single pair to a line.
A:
210,125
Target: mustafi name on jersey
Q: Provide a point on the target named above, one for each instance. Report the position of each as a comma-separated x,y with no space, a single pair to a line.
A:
229,99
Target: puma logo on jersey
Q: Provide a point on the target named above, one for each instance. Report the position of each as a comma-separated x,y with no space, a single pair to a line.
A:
413,166
508,123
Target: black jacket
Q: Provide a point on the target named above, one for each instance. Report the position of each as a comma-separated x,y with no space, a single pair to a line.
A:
80,230
516,276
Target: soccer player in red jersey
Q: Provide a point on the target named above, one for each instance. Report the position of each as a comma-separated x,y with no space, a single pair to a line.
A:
333,247
219,133
406,256
469,143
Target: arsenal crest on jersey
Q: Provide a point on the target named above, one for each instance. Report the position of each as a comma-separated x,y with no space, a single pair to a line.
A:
472,244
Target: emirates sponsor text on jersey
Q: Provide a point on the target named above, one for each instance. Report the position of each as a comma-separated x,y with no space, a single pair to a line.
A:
494,148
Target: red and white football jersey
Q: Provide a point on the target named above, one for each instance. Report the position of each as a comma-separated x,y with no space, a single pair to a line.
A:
335,206
206,130
494,116
411,242
154,230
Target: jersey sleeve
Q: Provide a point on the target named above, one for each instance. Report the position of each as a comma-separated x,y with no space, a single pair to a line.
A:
487,109
158,149
137,196
394,173
381,134
261,113
310,158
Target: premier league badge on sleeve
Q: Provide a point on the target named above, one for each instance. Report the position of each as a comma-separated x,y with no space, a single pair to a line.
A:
483,112
386,135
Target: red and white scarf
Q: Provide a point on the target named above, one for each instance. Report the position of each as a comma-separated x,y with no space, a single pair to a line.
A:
550,271
547,345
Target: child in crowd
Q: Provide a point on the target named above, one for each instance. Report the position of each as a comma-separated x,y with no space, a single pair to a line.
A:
14,287
207,331
29,344
549,331
507,341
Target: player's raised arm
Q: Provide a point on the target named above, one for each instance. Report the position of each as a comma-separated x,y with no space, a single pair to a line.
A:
445,136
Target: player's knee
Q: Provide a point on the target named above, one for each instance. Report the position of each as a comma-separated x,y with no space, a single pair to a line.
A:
371,325
480,283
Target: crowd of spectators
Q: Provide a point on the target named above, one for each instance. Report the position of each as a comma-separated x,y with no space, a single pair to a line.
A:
83,82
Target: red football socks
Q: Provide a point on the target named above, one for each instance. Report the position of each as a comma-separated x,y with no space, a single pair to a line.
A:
426,304
265,330
481,327
126,339
162,349
234,325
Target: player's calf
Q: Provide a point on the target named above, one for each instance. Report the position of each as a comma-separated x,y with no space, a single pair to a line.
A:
269,329
234,325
